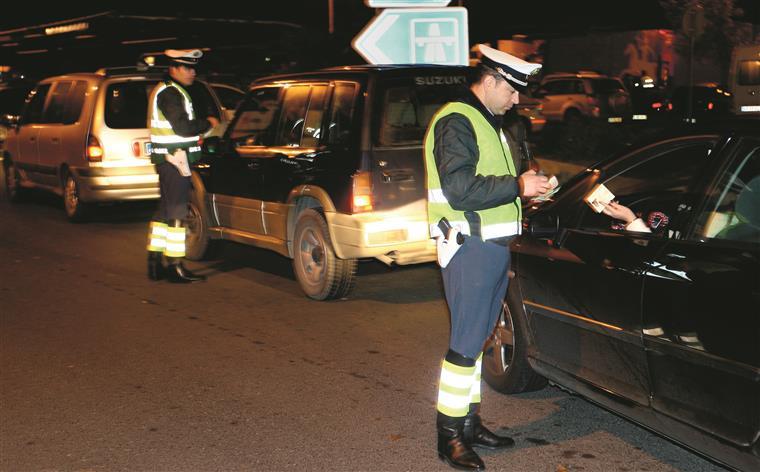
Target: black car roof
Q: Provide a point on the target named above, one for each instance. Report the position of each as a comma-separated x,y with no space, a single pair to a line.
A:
362,70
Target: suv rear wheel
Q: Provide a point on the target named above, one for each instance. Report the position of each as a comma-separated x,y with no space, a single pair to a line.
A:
76,209
505,358
320,273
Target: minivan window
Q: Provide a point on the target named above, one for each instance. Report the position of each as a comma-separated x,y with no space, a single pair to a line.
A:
341,113
73,107
255,118
36,101
313,127
749,73
54,110
127,104
409,105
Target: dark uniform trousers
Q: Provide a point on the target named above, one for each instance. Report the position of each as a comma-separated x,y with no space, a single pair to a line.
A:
475,282
175,192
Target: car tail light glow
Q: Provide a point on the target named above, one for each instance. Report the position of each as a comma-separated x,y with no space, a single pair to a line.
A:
710,105
656,105
94,150
361,200
136,148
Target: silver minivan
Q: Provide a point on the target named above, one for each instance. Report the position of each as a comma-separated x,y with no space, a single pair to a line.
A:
83,136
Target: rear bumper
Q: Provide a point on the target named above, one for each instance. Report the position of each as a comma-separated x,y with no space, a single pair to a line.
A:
104,184
400,236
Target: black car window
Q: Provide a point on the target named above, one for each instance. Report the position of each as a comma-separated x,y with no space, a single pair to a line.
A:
74,101
127,104
341,113
203,103
54,110
229,97
254,120
313,127
656,186
409,105
33,111
291,124
733,208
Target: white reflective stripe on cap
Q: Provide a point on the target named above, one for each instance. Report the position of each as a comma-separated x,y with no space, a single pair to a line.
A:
455,380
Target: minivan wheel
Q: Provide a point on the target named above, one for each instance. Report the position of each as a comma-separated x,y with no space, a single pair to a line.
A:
76,209
13,188
505,360
321,274
199,244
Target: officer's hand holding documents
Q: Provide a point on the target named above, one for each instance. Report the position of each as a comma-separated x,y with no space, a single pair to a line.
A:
179,160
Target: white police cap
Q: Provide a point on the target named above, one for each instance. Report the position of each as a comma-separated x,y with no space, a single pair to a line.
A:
512,68
186,57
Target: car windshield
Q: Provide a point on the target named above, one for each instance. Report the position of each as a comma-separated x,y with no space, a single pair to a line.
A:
408,105
607,86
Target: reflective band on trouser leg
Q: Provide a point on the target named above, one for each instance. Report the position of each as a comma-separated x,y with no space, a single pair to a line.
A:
175,242
157,237
475,388
454,389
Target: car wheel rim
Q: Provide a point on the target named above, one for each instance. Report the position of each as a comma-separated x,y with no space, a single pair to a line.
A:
193,224
71,197
312,256
503,341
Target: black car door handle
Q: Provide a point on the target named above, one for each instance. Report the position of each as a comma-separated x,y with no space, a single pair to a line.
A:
255,165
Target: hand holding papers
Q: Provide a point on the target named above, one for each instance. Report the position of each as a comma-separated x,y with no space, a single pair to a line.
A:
599,198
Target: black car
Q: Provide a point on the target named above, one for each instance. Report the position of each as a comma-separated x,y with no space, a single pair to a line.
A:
662,327
325,168
709,102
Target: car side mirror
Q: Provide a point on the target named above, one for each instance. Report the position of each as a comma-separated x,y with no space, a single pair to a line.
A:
544,226
211,145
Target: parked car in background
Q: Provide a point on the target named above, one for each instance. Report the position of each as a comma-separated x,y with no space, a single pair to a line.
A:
661,327
84,136
325,168
709,101
531,111
12,96
744,79
569,97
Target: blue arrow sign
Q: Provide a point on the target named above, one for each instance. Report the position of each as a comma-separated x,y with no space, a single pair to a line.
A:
406,3
416,36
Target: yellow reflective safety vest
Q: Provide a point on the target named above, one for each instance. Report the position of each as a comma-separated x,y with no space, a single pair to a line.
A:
495,158
163,140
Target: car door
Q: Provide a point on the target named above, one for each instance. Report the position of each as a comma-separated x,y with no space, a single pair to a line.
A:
233,177
26,154
702,303
50,137
585,300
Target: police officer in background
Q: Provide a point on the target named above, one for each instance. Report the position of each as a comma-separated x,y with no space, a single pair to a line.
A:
474,181
175,143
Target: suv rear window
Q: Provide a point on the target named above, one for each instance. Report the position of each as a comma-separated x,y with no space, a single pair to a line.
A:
127,104
408,106
607,86
749,73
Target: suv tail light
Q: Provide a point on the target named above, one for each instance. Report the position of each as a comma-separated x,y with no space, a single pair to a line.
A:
136,148
94,150
361,198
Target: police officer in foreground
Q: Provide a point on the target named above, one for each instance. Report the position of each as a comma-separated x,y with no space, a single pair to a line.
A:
175,144
474,182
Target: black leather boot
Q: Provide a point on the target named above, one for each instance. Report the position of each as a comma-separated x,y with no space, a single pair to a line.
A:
156,269
477,435
452,448
177,273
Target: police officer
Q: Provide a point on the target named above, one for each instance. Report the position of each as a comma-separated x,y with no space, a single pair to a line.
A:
474,182
175,143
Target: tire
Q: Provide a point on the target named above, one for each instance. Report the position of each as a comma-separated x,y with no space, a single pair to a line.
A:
573,118
199,244
76,210
320,273
13,189
505,359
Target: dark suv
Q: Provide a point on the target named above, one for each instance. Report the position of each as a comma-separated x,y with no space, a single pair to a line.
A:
326,168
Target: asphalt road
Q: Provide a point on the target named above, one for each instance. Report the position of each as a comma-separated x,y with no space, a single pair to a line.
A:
103,370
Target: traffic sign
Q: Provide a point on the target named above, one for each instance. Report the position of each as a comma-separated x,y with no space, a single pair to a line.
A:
406,3
416,36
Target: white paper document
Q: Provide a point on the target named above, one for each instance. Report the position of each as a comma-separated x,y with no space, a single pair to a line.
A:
599,198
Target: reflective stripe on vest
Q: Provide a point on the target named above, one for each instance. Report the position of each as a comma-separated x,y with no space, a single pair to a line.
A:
494,158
